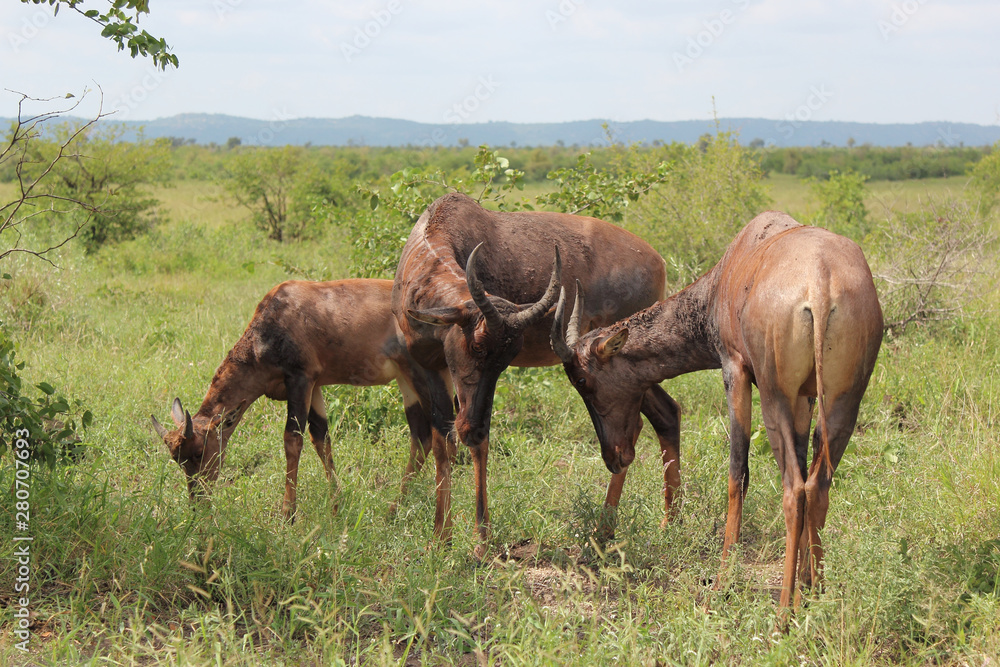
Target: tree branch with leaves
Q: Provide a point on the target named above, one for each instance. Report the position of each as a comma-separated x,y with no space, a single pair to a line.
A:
119,23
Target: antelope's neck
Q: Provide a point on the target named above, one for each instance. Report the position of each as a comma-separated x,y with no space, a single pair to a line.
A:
677,335
234,385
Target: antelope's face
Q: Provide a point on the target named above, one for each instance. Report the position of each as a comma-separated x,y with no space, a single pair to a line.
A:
483,337
478,350
611,392
607,382
196,447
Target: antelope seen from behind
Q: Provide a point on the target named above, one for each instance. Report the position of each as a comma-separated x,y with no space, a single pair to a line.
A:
790,309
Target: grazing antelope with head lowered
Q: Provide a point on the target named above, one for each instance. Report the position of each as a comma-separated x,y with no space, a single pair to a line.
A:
789,308
303,335
472,295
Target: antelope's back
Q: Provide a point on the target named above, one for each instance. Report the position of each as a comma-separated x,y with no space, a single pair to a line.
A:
780,278
620,273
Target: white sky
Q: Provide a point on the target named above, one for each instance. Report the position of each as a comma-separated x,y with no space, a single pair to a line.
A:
522,61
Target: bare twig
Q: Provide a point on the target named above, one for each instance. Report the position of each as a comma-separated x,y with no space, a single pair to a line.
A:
933,265
27,128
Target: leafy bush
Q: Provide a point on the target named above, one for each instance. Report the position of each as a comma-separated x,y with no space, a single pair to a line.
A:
378,235
106,176
713,189
842,204
49,419
986,178
603,193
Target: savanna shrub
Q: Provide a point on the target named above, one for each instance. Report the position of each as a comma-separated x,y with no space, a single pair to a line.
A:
842,204
712,190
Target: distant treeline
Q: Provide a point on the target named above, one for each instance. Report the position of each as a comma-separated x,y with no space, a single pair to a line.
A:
367,163
877,163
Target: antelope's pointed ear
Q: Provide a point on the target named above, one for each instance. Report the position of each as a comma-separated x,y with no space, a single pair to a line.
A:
188,426
440,317
611,345
158,427
177,412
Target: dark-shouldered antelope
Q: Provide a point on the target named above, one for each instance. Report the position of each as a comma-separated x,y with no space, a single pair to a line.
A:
303,335
791,309
472,295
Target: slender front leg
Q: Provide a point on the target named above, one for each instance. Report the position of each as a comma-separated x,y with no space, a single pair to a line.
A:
442,487
480,453
606,525
664,414
421,442
298,394
319,432
434,391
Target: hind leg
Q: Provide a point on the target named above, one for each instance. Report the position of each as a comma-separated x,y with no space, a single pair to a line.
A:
842,417
779,420
319,433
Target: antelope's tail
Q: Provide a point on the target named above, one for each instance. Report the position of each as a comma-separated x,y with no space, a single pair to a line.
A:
821,318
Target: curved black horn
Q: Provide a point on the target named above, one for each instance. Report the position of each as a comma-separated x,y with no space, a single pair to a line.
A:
556,338
573,332
494,320
536,312
158,427
562,344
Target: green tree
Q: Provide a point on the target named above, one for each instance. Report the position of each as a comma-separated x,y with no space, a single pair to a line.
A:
986,179
108,176
283,188
119,23
842,203
711,191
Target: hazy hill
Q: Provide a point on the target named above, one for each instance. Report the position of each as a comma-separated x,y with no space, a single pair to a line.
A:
363,130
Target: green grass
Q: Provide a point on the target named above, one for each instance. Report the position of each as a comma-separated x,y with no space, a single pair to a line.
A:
792,195
125,571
